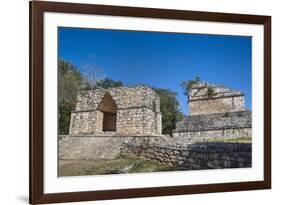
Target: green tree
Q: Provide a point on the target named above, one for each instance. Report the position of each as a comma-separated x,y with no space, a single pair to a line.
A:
70,81
169,107
109,83
187,85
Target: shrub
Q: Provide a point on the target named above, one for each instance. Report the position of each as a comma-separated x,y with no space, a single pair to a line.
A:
187,85
210,91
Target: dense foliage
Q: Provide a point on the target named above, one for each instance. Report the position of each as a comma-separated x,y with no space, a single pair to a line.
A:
70,81
169,107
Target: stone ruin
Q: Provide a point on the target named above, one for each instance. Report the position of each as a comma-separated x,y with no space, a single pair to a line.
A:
220,100
214,114
120,111
126,121
104,119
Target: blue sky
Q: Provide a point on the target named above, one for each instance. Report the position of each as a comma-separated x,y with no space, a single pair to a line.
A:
161,60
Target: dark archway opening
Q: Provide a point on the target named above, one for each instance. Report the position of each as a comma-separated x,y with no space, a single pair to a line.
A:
109,122
109,109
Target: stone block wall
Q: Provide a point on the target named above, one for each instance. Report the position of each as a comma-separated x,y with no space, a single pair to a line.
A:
138,121
211,155
216,105
158,123
205,134
152,122
129,121
95,147
218,125
85,122
124,97
221,99
135,121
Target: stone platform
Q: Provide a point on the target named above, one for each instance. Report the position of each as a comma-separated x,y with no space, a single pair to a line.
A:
218,125
97,147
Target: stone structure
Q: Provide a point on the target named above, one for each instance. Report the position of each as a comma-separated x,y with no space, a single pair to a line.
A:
218,125
127,121
96,147
194,156
120,111
214,112
205,98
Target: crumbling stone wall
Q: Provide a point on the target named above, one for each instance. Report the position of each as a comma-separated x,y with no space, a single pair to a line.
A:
220,100
242,119
215,105
196,156
215,111
218,125
213,134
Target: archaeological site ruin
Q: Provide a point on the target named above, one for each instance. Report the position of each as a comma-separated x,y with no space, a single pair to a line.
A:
121,111
215,111
126,121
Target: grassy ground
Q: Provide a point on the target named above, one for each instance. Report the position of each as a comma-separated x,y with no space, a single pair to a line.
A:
234,140
113,166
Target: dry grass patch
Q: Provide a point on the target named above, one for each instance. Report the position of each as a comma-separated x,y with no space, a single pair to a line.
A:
109,166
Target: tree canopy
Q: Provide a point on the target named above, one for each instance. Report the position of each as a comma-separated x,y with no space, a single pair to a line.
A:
169,107
70,81
109,83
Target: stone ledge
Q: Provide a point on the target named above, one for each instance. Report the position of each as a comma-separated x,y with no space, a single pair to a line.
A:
204,98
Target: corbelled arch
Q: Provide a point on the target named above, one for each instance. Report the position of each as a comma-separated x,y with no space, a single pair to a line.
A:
107,104
109,109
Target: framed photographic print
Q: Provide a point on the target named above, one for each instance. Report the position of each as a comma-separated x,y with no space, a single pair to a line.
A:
139,102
